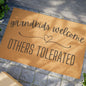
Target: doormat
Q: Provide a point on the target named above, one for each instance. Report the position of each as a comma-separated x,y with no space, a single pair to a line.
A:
44,42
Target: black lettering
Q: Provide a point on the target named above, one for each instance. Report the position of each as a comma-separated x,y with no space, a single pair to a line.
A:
44,26
61,31
18,47
64,57
22,46
10,43
32,24
32,46
51,54
71,35
13,23
14,44
75,37
27,48
67,58
46,54
17,22
82,40
55,55
38,50
37,24
72,60
59,56
65,30
42,52
48,27
23,23
28,24
67,34
55,29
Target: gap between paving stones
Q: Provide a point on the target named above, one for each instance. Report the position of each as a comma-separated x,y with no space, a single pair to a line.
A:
24,81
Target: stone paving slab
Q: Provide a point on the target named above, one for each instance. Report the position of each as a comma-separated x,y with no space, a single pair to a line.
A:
78,84
68,78
15,71
73,10
2,68
54,81
40,79
67,83
27,75
55,75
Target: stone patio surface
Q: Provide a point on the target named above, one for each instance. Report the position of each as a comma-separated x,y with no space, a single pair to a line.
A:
73,10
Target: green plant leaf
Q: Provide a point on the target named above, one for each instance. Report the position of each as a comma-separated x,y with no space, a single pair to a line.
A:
6,8
84,75
2,7
84,83
0,29
2,15
1,2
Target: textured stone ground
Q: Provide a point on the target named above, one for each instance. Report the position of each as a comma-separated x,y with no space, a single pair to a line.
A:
73,10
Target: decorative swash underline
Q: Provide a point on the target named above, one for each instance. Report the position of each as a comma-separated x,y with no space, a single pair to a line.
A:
46,38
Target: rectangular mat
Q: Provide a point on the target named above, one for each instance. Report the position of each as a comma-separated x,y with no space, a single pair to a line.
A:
44,42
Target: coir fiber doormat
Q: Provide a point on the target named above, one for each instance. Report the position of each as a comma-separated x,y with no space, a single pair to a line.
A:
44,42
